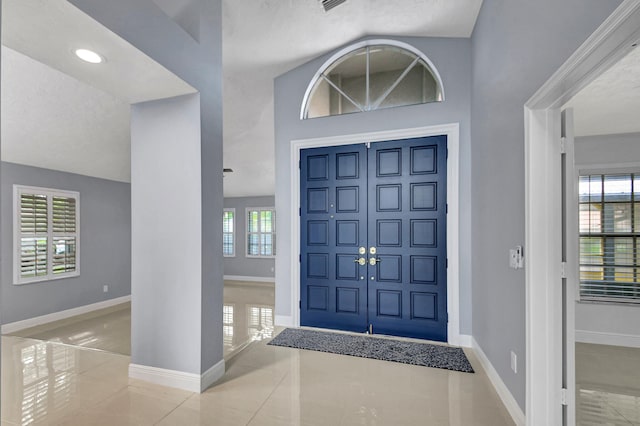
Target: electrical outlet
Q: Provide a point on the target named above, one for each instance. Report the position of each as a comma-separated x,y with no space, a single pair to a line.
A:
514,362
105,288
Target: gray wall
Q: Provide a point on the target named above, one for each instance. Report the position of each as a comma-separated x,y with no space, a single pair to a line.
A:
198,62
165,242
517,45
452,58
240,264
600,151
105,244
621,148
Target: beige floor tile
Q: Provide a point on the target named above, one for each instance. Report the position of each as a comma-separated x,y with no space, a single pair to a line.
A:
107,329
287,407
607,385
129,406
202,412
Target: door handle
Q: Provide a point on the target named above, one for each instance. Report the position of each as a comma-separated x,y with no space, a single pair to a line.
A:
374,260
360,261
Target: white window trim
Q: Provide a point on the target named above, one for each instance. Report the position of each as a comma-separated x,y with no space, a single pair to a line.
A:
233,231
49,192
246,233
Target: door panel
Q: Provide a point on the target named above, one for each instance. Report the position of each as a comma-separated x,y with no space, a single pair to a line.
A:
388,200
333,227
407,288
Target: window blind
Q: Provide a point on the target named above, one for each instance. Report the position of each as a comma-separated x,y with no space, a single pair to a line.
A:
609,237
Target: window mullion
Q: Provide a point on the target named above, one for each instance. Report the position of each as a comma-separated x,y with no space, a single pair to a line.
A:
356,104
386,93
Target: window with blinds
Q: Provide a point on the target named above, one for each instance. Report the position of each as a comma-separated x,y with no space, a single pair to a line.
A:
609,237
46,234
228,232
261,232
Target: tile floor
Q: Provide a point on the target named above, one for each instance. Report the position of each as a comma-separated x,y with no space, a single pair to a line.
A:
54,383
607,385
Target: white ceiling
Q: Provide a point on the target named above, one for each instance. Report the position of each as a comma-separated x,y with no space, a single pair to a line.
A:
54,121
50,30
261,40
611,103
70,115
265,38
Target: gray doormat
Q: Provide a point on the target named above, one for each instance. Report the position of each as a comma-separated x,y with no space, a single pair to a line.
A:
425,354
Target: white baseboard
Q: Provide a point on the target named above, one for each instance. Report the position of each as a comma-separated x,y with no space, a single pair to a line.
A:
250,279
212,375
56,316
614,339
284,321
503,392
463,340
178,379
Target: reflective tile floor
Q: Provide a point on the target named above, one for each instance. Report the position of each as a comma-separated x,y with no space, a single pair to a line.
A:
107,329
248,316
58,384
607,385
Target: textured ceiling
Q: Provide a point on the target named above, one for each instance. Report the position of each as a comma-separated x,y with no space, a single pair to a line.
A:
261,40
611,103
54,121
69,115
265,38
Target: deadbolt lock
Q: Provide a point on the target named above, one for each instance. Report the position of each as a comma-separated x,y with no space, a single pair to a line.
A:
362,250
360,261
372,250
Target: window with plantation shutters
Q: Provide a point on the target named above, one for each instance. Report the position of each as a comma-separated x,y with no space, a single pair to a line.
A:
228,232
261,232
46,234
610,237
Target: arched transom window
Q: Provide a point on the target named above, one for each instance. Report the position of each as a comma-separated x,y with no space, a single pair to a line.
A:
370,76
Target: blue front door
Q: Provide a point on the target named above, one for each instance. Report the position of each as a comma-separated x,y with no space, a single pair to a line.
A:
373,238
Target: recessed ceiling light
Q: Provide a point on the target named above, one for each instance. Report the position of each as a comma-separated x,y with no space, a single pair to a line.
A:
89,56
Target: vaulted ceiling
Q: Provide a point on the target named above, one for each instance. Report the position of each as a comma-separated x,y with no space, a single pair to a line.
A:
66,115
77,113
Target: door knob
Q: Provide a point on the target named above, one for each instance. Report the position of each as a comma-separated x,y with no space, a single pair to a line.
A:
373,261
360,261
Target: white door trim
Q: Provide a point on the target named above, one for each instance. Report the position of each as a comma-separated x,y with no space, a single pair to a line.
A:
543,227
452,131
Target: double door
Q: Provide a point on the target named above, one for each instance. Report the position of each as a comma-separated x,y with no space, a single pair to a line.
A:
373,238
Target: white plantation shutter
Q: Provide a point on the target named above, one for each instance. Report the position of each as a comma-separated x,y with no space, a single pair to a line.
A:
610,237
228,232
46,234
34,230
64,230
261,232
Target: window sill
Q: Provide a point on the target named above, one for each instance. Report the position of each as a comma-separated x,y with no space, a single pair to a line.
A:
259,257
46,279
